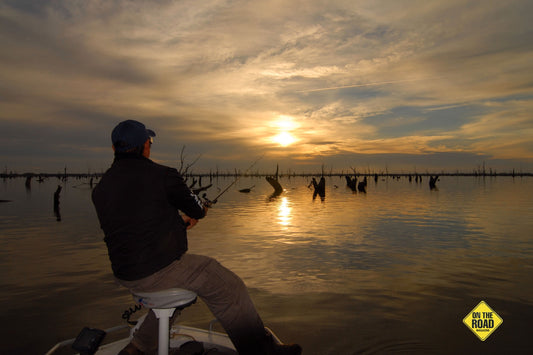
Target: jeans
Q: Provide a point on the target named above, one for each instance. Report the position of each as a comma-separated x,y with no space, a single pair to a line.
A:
224,293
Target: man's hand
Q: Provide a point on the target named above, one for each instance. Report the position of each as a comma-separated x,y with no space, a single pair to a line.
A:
189,222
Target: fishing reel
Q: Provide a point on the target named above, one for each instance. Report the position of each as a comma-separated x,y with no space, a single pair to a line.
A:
206,201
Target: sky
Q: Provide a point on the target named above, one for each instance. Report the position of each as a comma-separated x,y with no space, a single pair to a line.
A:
365,85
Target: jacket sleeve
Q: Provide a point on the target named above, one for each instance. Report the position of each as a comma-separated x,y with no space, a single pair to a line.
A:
180,196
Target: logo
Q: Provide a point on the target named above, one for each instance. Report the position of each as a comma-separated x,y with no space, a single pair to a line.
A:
482,321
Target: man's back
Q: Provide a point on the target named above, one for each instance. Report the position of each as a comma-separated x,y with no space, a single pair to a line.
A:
137,205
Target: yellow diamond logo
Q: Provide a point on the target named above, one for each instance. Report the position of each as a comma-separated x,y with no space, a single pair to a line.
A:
482,320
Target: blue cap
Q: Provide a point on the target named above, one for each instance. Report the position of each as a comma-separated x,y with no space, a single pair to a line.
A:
130,134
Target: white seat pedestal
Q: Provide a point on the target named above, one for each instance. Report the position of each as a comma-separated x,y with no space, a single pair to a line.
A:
164,304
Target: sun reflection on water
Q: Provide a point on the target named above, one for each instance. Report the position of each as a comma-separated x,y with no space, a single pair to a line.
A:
284,212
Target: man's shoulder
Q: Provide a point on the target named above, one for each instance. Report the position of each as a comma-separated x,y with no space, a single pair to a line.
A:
140,165
164,168
136,161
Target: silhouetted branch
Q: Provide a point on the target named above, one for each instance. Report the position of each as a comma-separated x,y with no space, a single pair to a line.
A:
183,167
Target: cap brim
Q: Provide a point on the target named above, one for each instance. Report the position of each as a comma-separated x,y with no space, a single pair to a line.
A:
150,132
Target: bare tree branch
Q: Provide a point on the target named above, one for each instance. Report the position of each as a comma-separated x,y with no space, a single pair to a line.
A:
183,167
184,171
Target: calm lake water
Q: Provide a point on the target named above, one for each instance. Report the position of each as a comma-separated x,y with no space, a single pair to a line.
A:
394,270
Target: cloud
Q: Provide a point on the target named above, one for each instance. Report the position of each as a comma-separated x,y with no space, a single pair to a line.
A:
404,77
504,132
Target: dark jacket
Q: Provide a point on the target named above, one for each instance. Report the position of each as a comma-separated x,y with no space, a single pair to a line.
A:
137,203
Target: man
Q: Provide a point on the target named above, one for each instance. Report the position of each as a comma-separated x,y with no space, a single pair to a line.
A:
137,203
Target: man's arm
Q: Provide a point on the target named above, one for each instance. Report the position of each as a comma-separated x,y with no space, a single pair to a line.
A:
180,196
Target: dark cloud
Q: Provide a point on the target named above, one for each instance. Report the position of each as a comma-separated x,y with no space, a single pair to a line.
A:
29,6
35,43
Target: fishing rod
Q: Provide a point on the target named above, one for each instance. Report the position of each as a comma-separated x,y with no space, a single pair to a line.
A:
209,202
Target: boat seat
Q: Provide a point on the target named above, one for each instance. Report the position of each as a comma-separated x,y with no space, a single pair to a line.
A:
172,298
164,303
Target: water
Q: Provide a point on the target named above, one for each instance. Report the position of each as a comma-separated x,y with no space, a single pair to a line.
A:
394,270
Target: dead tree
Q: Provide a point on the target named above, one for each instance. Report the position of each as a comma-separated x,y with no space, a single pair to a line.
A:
184,168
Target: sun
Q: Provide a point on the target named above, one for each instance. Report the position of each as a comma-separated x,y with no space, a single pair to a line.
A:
284,139
285,126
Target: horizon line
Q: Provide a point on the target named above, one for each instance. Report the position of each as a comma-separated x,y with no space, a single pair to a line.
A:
290,174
